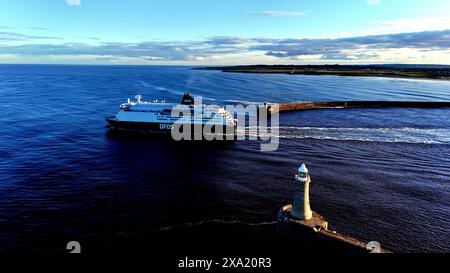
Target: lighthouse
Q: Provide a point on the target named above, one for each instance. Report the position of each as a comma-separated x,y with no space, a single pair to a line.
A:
301,208
295,221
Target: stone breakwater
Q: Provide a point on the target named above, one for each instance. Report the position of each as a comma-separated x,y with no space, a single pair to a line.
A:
295,106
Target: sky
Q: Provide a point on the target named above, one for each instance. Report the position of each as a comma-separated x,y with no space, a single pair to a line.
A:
231,32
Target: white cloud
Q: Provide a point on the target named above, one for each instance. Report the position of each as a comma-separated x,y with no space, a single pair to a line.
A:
405,25
73,2
418,47
374,2
408,25
273,13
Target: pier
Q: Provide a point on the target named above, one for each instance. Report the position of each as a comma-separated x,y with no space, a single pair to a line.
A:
297,106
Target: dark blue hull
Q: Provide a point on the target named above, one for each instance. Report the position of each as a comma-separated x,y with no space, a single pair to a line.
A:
164,128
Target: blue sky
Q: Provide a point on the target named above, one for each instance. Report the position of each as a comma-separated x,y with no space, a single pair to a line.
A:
224,32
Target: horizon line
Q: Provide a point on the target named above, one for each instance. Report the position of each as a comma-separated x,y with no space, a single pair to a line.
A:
227,65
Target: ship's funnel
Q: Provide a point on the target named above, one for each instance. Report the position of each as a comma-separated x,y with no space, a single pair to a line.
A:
187,99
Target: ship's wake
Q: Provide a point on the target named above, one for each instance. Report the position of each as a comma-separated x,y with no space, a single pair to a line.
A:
389,135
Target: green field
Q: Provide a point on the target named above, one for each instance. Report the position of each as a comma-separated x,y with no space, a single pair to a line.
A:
363,73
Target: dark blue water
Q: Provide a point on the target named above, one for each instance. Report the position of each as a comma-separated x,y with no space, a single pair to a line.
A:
378,174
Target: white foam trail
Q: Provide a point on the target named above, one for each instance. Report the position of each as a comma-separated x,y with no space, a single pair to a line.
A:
244,102
216,221
390,135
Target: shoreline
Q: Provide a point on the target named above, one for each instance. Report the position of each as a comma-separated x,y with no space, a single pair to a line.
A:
415,73
343,75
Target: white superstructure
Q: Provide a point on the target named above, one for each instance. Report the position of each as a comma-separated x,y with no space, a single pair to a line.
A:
161,115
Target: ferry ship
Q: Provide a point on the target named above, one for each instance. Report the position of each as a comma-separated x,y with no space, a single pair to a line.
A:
159,117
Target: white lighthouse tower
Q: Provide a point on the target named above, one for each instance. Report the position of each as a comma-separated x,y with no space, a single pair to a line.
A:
301,208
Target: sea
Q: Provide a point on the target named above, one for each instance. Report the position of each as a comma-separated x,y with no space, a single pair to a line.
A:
377,174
